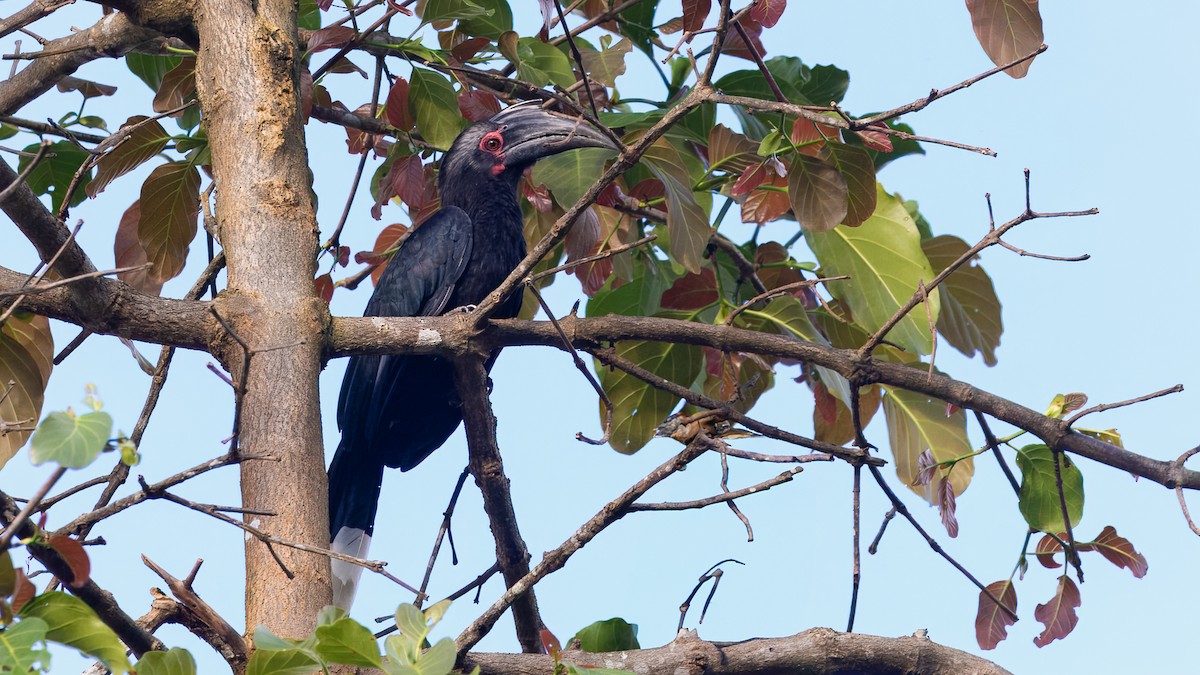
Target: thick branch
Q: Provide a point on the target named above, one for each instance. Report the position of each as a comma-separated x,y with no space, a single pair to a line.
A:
817,650
488,469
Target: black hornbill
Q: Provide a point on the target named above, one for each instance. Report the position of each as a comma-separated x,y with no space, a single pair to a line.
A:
395,410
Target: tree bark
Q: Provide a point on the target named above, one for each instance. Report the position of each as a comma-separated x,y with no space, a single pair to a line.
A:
248,81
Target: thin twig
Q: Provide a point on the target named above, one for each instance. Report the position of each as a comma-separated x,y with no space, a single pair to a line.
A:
1120,404
608,253
856,575
782,478
887,518
443,532
994,444
29,507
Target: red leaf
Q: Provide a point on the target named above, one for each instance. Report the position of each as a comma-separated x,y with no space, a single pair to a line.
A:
128,251
389,238
551,644
694,14
538,196
583,239
1047,546
406,180
467,49
23,592
692,291
767,12
876,140
736,46
749,180
1058,615
764,206
926,467
324,287
1007,30
88,88
76,558
810,136
649,190
946,507
397,112
477,105
1120,552
991,621
826,404
328,38
343,255
766,257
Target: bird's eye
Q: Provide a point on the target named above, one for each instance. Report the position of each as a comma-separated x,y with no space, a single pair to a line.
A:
492,142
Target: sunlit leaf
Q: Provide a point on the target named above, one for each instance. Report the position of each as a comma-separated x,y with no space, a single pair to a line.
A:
26,353
170,203
1039,498
1058,615
540,63
1046,547
991,621
884,261
766,202
281,662
1007,30
73,623
613,635
17,653
348,642
917,423
70,440
970,313
767,12
174,661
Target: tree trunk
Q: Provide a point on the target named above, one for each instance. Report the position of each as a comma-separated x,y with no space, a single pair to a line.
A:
248,80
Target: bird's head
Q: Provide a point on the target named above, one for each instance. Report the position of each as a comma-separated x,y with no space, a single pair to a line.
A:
507,143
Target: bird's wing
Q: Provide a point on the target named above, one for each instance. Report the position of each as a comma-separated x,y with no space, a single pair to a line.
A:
419,281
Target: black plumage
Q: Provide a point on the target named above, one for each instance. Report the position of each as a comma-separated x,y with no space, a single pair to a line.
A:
394,411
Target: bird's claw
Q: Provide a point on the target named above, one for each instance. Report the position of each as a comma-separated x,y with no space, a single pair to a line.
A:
465,309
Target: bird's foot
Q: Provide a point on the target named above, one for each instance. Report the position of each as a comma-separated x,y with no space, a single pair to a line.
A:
465,309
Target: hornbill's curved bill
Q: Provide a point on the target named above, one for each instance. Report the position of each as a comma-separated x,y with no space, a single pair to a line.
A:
395,410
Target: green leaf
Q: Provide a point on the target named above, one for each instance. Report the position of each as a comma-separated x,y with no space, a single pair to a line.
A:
26,353
17,654
540,63
637,24
433,105
917,423
8,575
438,659
787,316
451,10
1039,498
175,661
497,20
74,624
639,297
570,174
54,173
607,65
265,639
639,408
308,16
71,441
817,192
144,142
170,203
151,69
816,86
884,260
687,222
7,131
281,662
349,642
613,635
970,316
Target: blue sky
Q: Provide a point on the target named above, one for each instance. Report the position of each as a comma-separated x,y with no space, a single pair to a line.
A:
1091,123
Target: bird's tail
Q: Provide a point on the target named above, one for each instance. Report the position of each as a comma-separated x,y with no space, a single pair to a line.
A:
353,497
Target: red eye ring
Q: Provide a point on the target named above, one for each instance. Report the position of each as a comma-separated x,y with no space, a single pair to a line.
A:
492,142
